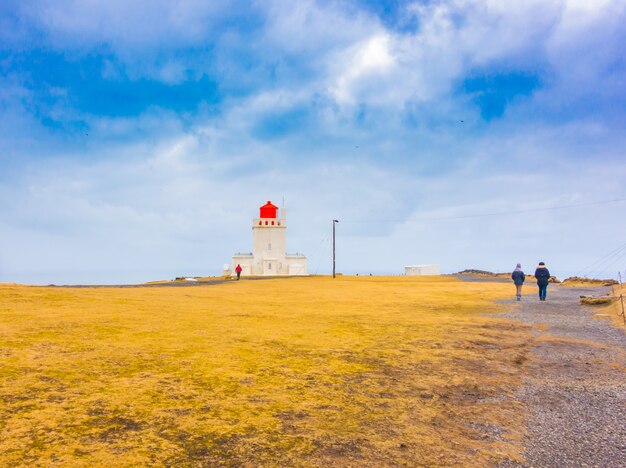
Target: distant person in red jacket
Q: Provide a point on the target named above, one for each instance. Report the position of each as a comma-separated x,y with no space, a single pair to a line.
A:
518,278
543,277
238,271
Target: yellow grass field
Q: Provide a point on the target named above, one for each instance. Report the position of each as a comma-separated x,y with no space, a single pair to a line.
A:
356,371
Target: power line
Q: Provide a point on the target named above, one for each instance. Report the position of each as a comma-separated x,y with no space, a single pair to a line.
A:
483,215
599,264
322,241
602,259
611,261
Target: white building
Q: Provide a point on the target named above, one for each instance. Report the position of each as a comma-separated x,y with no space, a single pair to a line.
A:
269,241
415,270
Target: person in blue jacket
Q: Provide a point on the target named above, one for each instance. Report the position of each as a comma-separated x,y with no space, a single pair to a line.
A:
543,277
518,277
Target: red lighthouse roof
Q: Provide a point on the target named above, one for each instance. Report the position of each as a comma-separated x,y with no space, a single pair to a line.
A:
268,210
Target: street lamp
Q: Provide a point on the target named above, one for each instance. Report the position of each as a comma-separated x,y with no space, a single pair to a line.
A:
334,222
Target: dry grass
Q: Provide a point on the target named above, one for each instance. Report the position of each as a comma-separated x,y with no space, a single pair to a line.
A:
308,372
597,301
485,274
609,307
575,281
616,309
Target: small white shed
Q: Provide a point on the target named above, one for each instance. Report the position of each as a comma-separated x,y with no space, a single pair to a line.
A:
418,270
297,269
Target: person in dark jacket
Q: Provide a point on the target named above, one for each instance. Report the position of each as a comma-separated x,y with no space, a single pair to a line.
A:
543,277
518,277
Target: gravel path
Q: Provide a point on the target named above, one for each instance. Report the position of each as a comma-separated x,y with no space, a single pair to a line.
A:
575,391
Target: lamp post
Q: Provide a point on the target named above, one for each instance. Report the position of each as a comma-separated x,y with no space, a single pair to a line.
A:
334,222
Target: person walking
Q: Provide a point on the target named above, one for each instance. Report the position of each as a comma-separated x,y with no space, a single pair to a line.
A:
238,271
543,277
518,278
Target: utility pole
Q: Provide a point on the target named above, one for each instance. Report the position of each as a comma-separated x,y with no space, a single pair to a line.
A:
334,222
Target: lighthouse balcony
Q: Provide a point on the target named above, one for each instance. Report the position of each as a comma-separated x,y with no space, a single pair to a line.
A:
243,255
268,222
294,255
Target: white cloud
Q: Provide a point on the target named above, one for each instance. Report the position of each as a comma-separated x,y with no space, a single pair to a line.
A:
454,38
123,23
313,28
362,63
580,16
585,45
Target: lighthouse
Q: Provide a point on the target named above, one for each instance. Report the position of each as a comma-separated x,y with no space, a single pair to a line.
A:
269,240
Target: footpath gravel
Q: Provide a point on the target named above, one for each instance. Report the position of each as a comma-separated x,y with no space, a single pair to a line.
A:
575,391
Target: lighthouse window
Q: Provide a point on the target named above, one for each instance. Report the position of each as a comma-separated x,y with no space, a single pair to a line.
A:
279,223
269,266
272,223
266,223
260,223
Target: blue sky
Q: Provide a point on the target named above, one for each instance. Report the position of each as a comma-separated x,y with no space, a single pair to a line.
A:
138,139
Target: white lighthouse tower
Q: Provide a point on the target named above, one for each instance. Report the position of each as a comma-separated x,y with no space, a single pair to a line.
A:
269,241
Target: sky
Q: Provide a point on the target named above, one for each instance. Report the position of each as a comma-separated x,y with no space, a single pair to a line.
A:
139,138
